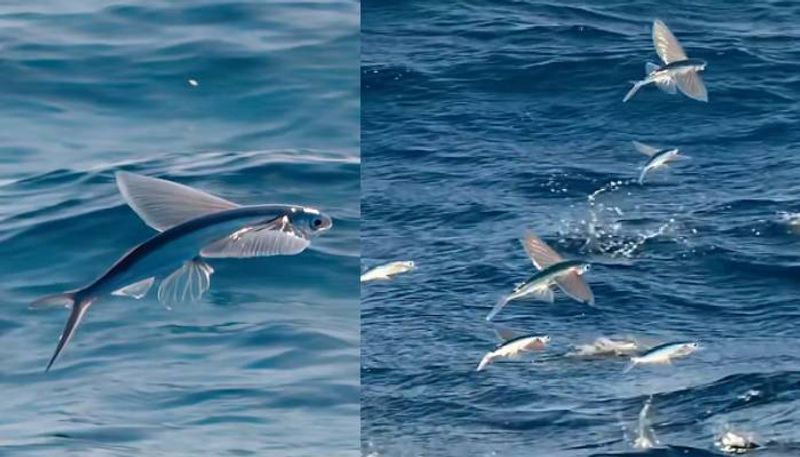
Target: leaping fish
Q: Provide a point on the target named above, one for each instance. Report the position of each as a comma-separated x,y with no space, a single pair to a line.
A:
678,72
553,269
664,354
385,272
193,226
658,157
513,348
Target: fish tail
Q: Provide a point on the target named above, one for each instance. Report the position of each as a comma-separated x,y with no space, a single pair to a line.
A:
642,175
65,299
631,364
79,307
486,360
636,86
497,307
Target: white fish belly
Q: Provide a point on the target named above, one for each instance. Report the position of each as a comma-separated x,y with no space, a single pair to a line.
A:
165,258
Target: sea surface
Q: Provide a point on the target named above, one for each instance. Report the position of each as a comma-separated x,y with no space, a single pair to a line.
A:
266,364
483,120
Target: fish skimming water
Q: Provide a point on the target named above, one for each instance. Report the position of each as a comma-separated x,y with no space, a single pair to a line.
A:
732,442
658,157
664,354
385,272
553,269
678,72
193,225
604,346
513,348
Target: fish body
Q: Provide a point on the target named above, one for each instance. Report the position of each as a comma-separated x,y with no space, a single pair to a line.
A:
678,71
513,348
546,278
193,225
658,158
385,272
166,251
552,270
664,354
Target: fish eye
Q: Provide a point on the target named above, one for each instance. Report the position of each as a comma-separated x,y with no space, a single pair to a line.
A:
317,222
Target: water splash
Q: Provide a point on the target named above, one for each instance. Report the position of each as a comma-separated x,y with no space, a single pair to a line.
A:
790,220
645,436
735,442
605,230
605,346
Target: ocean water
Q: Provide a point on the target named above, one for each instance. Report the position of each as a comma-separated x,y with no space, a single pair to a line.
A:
483,120
267,362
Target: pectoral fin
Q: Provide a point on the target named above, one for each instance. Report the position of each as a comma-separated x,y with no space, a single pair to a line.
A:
163,204
667,85
505,333
136,290
186,284
539,252
667,46
573,285
276,237
691,84
645,149
544,294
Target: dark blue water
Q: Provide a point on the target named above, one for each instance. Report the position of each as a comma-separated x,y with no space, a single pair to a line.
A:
481,121
267,362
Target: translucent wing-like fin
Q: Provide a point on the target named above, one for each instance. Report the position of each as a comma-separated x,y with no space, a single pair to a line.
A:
645,149
667,46
691,84
136,290
574,285
505,333
277,237
667,85
186,284
163,204
539,252
544,294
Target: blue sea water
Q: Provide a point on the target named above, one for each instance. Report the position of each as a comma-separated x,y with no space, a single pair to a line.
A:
482,120
267,363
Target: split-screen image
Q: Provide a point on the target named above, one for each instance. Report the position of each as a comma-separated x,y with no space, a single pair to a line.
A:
389,229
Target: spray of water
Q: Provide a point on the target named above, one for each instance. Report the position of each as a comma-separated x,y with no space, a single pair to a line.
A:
604,228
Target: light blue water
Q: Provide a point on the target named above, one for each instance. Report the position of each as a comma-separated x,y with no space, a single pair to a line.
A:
486,119
267,362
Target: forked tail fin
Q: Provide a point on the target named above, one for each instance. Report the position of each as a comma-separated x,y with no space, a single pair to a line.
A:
642,175
631,364
636,86
497,307
79,308
65,299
